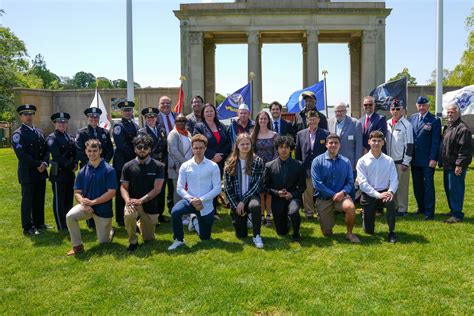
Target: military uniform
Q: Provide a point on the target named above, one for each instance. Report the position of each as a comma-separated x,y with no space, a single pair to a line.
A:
29,144
62,147
124,132
159,151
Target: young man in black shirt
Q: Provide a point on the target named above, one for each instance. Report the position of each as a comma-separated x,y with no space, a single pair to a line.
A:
142,180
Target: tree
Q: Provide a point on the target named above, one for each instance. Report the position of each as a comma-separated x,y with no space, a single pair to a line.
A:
82,80
405,73
102,83
119,84
219,99
38,68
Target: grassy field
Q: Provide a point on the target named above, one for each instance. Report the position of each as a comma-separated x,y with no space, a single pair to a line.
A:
429,271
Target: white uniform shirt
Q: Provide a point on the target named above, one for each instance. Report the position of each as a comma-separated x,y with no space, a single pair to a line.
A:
376,174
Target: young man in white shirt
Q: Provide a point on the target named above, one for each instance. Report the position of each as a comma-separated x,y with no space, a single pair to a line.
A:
199,182
378,181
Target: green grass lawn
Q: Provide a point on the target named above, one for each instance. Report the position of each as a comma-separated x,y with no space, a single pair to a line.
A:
429,271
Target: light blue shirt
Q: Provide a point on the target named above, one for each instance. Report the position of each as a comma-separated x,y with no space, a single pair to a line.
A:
339,126
199,180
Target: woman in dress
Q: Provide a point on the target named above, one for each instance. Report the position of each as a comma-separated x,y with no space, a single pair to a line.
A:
243,181
263,140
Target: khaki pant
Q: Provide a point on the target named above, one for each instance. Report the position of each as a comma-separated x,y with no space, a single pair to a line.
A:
103,226
326,210
146,223
308,199
402,191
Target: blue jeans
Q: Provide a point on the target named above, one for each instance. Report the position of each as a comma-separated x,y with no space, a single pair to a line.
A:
423,187
454,187
183,207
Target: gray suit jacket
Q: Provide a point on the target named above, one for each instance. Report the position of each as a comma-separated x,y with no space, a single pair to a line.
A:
351,138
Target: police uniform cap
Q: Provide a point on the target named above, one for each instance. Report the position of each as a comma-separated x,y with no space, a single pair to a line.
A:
308,94
126,105
422,100
26,108
93,111
60,117
244,106
149,111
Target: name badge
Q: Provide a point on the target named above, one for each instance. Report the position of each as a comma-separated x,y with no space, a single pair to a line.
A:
350,137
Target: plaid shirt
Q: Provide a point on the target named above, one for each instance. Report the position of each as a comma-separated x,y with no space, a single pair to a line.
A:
232,184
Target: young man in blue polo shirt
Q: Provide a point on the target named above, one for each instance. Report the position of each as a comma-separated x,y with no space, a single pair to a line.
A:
95,186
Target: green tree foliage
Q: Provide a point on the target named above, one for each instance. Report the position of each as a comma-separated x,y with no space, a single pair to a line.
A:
122,84
83,80
102,83
219,99
405,73
39,69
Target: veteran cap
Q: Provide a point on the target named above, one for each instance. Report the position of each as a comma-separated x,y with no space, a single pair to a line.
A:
94,112
26,109
308,94
60,117
149,111
422,100
395,103
244,106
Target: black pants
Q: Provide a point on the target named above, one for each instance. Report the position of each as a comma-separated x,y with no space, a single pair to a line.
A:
119,202
370,205
240,222
284,212
32,204
63,193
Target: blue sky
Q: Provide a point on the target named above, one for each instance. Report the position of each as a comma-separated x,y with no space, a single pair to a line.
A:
86,35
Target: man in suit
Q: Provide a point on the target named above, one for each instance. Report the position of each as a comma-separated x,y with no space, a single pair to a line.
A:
197,103
310,142
281,126
285,182
166,119
124,133
427,136
349,131
370,122
310,101
159,150
29,144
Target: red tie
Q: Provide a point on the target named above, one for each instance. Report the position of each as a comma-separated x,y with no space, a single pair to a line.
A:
366,125
170,127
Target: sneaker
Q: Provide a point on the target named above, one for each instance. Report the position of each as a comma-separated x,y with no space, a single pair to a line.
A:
132,247
176,244
257,240
31,232
249,221
268,221
353,238
196,225
111,235
190,222
392,237
453,220
75,250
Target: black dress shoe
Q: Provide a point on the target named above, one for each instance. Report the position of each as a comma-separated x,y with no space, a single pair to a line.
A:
296,237
402,214
392,237
163,219
132,247
31,232
44,227
429,218
448,214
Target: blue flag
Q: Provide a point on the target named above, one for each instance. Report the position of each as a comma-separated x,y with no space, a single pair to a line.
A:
387,92
228,108
296,103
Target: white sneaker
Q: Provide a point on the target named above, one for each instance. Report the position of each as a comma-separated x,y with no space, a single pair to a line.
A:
249,221
185,220
175,245
190,222
196,225
257,240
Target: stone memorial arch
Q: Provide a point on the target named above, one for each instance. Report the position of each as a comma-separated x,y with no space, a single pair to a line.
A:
307,22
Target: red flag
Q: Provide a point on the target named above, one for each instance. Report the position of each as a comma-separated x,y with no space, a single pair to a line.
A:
178,108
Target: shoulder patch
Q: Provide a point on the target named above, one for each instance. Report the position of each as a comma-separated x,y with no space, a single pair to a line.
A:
50,141
117,129
16,138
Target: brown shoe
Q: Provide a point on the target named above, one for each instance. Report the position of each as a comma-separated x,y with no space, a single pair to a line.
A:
75,250
353,238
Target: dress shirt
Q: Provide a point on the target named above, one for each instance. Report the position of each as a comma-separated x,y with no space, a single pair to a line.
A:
199,180
277,125
339,126
165,121
377,174
330,176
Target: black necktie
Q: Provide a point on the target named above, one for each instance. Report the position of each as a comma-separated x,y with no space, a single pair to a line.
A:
276,127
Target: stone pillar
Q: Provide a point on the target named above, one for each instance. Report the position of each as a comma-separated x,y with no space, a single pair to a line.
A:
185,66
304,47
355,74
312,70
380,42
368,62
209,72
196,65
255,66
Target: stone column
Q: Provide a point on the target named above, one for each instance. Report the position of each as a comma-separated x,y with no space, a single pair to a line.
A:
196,65
312,70
304,47
368,62
355,74
209,72
380,42
185,67
255,66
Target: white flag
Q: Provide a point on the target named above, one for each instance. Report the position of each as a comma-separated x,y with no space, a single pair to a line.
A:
104,120
463,97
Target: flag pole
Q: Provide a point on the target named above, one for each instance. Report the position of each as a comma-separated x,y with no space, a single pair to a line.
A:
97,91
130,86
252,77
325,72
439,59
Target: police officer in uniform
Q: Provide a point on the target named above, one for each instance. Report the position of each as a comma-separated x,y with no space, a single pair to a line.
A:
159,150
93,131
124,133
29,144
62,147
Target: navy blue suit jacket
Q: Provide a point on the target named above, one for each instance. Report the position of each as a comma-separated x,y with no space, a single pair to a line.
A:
303,150
377,122
427,137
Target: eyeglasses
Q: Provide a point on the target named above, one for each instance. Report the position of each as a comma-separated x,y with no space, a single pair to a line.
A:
142,147
180,121
368,104
395,109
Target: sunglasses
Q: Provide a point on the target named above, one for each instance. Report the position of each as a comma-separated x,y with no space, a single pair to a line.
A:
395,109
142,147
368,104
180,121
